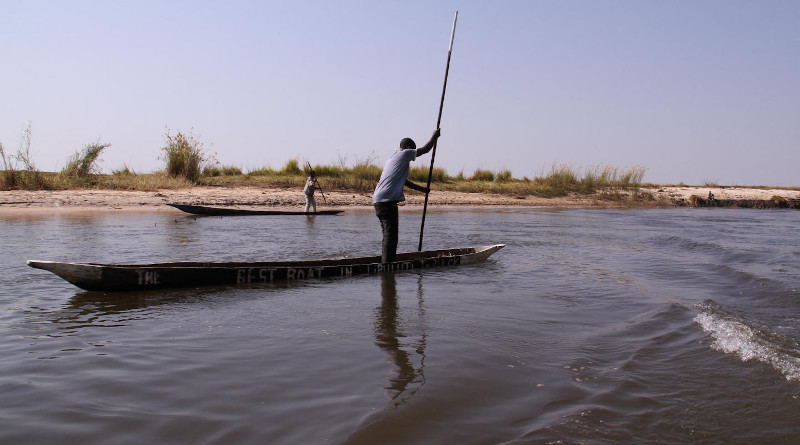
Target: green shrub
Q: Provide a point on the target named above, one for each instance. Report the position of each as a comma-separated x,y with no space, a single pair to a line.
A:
503,176
263,171
329,171
633,177
27,177
560,177
420,174
184,156
780,201
366,170
9,173
84,162
215,171
292,167
482,175
124,171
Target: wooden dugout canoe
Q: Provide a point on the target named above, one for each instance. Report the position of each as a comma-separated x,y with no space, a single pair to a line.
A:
121,277
222,211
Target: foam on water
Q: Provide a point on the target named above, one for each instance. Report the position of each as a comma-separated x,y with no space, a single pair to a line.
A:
733,334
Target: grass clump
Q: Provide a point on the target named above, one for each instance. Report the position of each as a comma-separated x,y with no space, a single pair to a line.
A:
9,177
124,171
292,167
780,201
361,177
19,171
329,171
561,177
83,163
503,176
215,171
482,175
364,170
263,171
420,174
129,180
184,156
565,179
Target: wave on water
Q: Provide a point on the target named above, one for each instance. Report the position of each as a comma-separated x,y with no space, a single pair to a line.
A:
687,244
734,334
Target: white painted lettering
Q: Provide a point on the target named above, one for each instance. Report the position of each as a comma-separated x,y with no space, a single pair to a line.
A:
148,278
265,275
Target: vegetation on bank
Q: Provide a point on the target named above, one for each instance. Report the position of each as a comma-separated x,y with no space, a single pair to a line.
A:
560,181
187,163
19,170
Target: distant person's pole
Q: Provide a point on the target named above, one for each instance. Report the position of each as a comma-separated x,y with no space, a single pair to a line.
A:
316,182
438,123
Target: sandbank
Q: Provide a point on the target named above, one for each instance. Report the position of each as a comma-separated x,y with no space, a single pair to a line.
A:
281,198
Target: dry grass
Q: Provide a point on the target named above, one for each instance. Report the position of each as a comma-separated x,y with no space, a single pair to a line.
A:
19,170
362,178
184,155
82,166
187,164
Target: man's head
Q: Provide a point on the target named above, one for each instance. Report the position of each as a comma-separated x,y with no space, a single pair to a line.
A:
408,144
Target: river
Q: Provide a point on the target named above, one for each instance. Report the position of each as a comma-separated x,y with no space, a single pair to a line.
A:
667,326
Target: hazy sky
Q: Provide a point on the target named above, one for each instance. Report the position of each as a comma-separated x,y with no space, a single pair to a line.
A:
696,91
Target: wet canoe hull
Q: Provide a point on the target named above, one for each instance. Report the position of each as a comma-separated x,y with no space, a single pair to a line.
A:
223,211
120,277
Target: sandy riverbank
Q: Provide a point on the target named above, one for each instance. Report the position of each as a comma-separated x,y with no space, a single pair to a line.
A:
116,200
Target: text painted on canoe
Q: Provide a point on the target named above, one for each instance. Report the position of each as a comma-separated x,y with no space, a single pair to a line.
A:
254,275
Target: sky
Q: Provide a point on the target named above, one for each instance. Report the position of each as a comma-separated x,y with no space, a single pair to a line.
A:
698,92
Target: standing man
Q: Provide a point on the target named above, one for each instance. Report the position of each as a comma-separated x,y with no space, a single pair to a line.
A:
389,190
311,186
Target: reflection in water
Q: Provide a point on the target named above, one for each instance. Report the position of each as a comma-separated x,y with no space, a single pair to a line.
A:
387,337
182,231
402,339
98,309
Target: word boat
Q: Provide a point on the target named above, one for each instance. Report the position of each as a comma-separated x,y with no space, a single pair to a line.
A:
223,211
121,277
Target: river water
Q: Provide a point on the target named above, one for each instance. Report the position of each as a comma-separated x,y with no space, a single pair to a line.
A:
667,326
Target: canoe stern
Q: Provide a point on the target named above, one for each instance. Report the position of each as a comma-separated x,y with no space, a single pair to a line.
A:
79,274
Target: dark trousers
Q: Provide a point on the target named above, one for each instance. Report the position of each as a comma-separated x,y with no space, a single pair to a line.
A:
387,214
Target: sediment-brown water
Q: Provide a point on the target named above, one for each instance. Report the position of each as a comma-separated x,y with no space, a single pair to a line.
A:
592,326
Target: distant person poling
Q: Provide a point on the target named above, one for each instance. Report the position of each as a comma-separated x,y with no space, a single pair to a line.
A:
312,184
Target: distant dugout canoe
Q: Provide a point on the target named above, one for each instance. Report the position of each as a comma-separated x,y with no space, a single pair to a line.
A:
122,277
223,211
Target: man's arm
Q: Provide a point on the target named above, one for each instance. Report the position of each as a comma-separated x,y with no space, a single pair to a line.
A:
416,187
427,147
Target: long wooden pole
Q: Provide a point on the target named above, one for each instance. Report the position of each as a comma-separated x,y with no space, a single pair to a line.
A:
438,123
